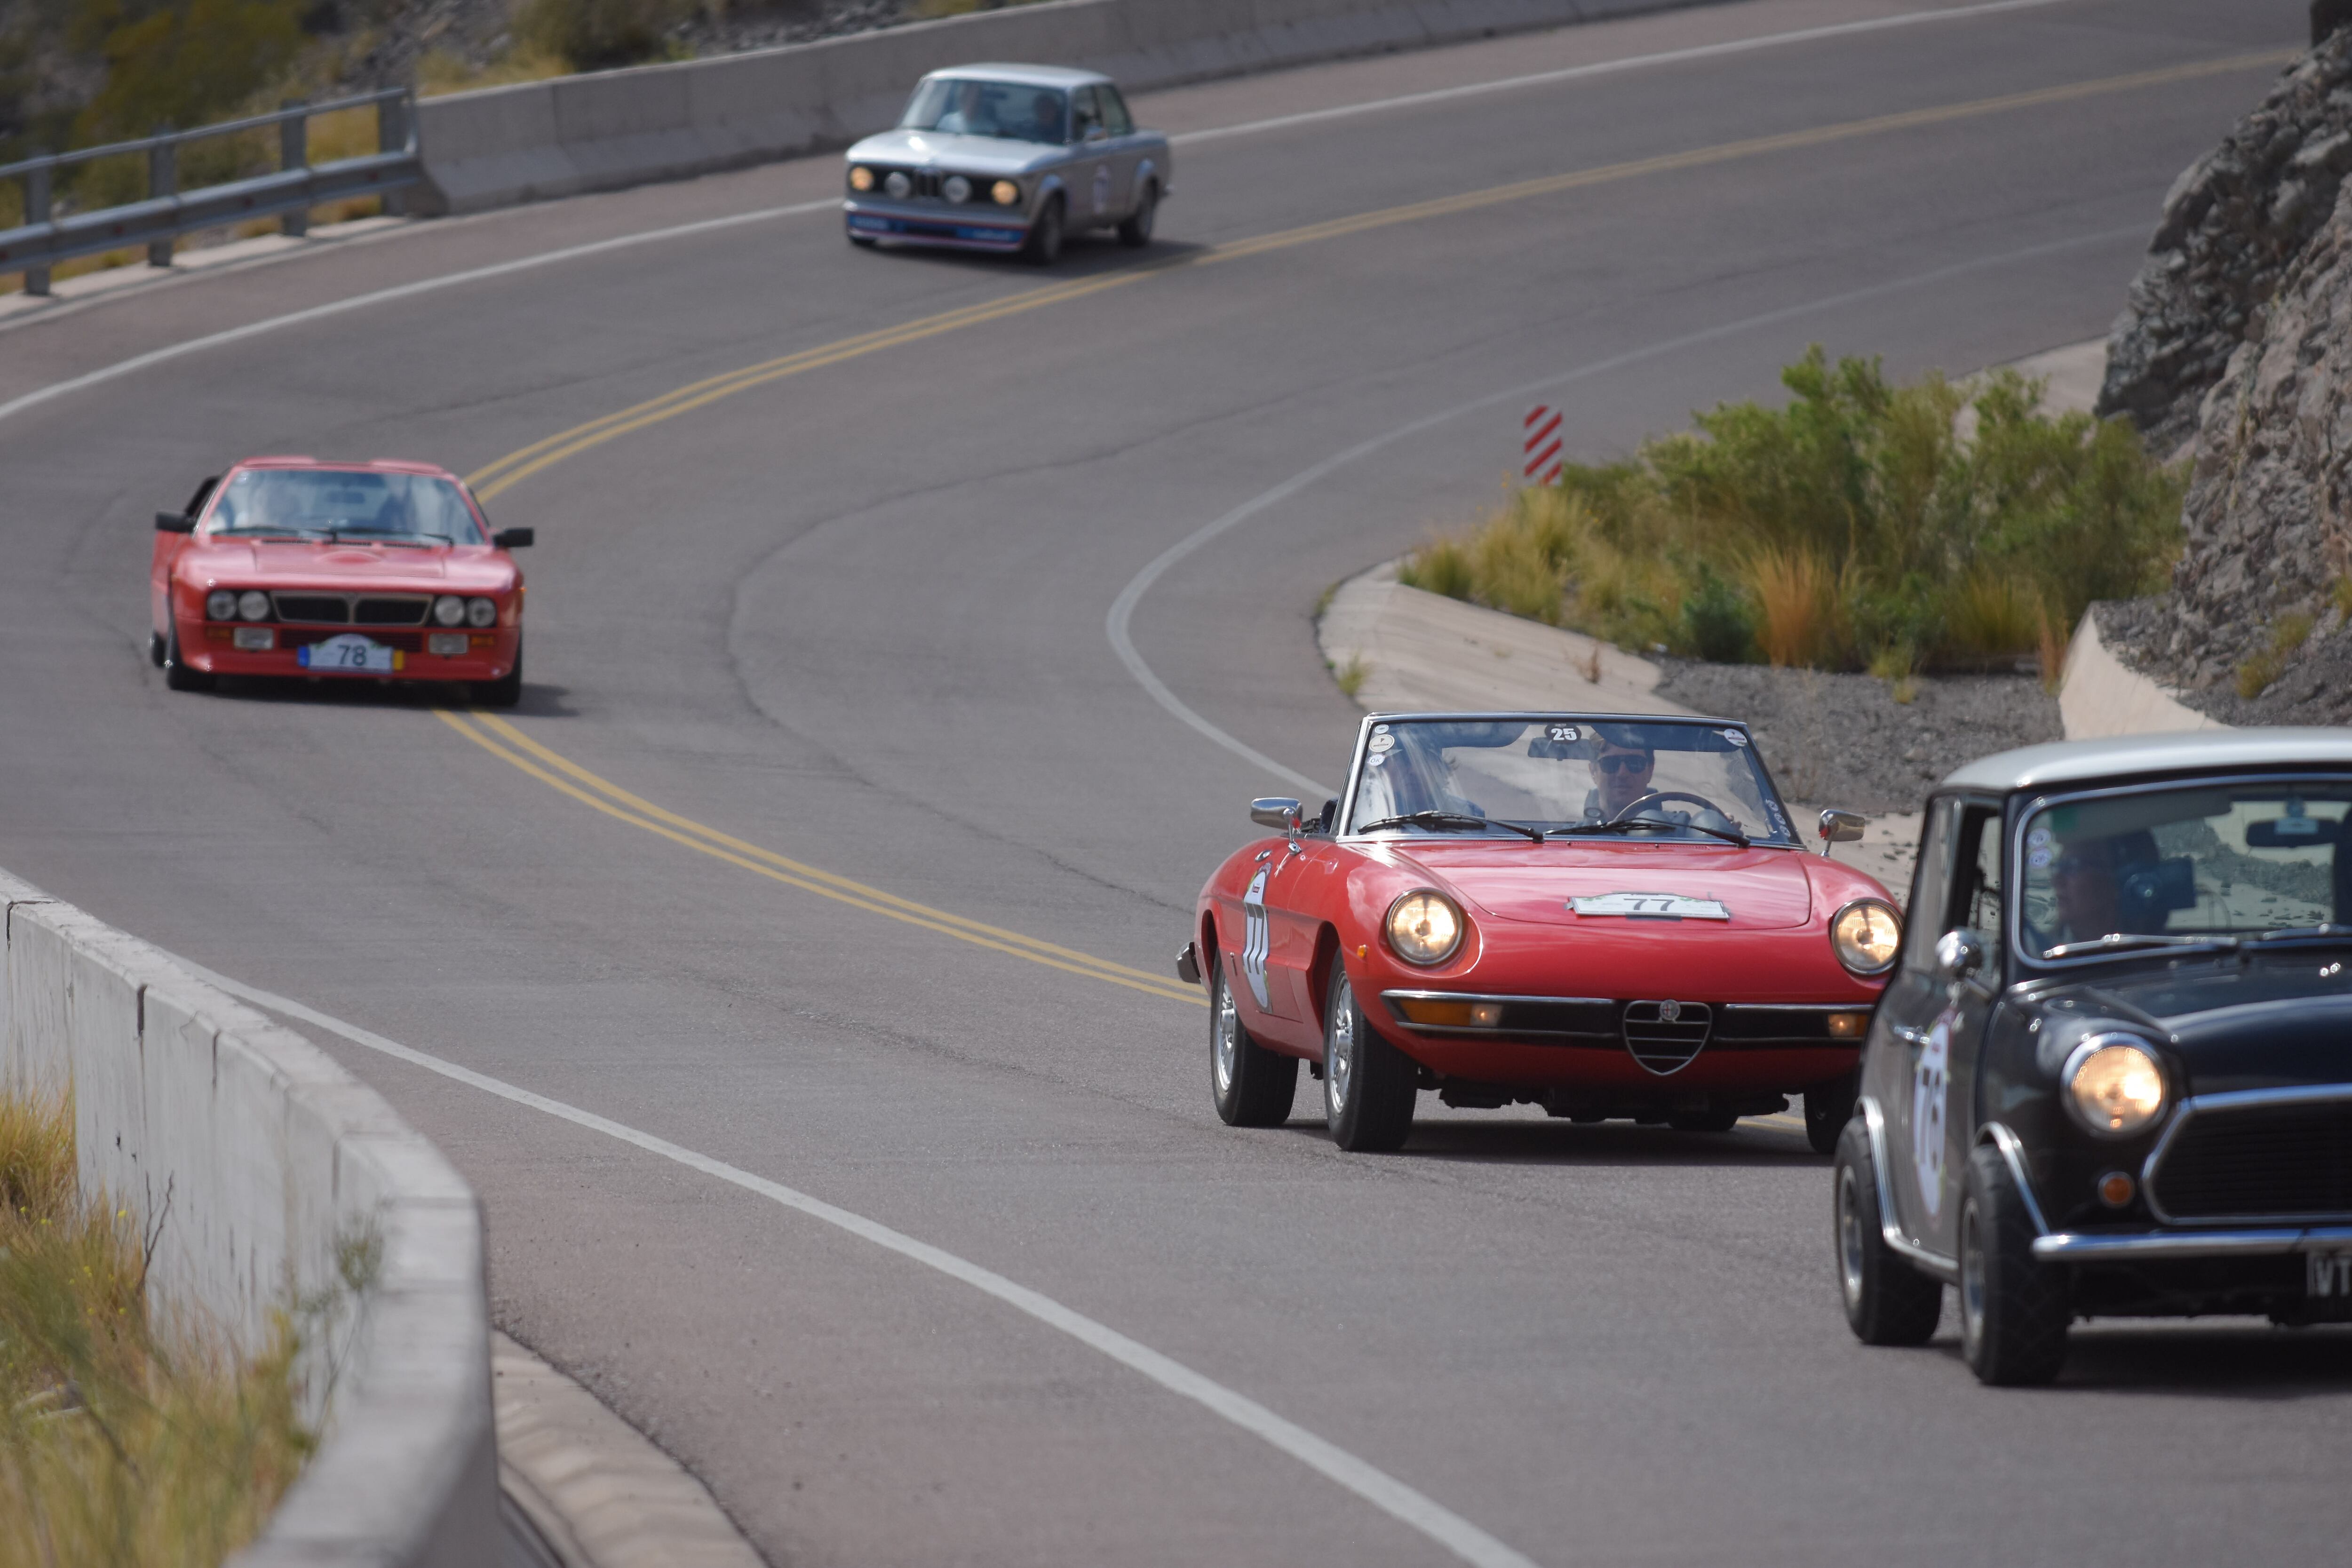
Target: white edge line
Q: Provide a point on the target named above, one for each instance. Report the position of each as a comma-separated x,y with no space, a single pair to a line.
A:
1122,609
1609,68
1383,1491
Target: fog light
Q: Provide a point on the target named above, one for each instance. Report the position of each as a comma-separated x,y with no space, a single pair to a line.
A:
1848,1025
448,645
2116,1189
861,178
1004,193
256,640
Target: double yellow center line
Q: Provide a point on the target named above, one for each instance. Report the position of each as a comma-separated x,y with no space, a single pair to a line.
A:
506,742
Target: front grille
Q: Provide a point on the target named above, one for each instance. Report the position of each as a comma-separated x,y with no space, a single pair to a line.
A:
408,612
318,609
2290,1160
927,185
1664,1037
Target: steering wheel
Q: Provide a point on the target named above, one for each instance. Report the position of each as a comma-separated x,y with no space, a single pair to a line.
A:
1652,799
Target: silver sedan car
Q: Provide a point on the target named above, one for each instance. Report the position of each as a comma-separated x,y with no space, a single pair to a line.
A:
1008,158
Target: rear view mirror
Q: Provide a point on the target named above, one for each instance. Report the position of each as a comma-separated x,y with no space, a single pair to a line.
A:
513,538
174,522
1274,812
1841,828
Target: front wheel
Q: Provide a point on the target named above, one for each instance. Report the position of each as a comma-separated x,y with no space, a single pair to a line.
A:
2013,1310
1253,1086
1043,246
1828,1108
862,241
505,691
156,649
1369,1085
1136,231
1887,1302
176,673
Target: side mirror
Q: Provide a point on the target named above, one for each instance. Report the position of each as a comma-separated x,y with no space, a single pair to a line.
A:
1274,812
174,522
1959,955
1841,828
514,538
1097,133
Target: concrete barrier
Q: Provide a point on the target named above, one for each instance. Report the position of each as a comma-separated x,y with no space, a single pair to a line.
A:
610,128
270,1176
2099,695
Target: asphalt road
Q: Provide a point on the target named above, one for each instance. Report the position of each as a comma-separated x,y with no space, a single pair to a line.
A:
855,617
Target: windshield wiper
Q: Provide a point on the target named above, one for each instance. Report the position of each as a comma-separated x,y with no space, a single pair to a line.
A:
273,533
2123,941
367,536
1449,819
1631,823
2323,931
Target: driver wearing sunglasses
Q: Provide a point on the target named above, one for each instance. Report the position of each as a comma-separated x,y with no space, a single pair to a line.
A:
1621,776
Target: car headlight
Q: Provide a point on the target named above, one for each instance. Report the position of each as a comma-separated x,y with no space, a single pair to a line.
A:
2114,1085
253,604
1866,935
481,612
956,188
449,609
220,604
1005,193
899,185
1425,927
861,178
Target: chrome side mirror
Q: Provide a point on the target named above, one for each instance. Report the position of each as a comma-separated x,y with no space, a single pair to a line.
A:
1841,828
1274,812
1959,955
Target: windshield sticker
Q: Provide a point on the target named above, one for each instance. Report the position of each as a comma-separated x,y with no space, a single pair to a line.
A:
1735,737
1380,729
2038,858
1930,1082
1563,732
1376,758
1383,741
1256,937
1649,906
2038,839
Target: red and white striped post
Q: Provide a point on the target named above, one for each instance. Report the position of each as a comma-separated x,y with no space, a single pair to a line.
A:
1541,432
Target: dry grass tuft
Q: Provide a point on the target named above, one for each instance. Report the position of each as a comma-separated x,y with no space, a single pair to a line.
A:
1797,607
1350,675
2288,634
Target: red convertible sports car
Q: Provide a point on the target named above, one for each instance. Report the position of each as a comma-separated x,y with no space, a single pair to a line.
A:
291,566
1604,915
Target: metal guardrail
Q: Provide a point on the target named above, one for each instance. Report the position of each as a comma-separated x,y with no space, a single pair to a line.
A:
289,193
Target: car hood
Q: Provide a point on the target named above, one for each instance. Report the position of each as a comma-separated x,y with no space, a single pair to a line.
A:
988,155
2275,1020
1764,890
274,563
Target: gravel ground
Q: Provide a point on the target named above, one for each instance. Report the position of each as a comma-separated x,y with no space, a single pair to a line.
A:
2315,687
1843,740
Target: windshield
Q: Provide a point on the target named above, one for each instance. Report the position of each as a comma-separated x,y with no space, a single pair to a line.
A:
344,503
964,107
2186,863
1572,774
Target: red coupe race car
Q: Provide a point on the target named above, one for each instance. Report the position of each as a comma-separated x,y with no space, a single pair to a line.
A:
1604,915
291,566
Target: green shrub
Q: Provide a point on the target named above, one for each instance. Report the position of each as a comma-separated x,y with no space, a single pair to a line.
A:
597,35
1856,521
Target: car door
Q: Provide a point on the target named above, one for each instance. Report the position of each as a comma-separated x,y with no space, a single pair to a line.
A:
1125,147
1979,902
1262,982
1093,198
1907,1014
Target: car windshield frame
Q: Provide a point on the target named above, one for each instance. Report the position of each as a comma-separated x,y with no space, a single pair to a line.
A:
1778,830
933,101
357,530
2023,809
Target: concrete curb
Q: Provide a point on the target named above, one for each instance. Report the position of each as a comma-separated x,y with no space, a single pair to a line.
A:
272,1176
2099,696
611,129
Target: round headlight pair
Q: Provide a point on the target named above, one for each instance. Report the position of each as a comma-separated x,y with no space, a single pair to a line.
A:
2114,1085
1425,927
1866,935
956,188
450,610
861,178
1005,193
896,184
228,604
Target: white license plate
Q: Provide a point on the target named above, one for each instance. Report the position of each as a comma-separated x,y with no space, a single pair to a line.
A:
350,652
1651,905
2327,1275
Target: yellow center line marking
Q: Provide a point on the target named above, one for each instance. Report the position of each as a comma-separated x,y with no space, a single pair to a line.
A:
516,466
510,745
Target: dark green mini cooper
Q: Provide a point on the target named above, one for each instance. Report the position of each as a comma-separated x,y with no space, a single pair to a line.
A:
2112,1074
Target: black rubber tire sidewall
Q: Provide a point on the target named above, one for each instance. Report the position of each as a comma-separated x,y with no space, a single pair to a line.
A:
1896,1304
2019,1338
1046,236
1265,1082
506,692
1828,1108
177,675
1136,231
1382,1081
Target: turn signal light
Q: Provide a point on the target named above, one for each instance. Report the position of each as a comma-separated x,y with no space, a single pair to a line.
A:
1452,1015
1848,1025
2116,1189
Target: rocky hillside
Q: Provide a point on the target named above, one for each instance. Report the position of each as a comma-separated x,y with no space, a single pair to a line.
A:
2238,335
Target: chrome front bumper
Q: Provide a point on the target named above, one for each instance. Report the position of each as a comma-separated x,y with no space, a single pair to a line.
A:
2267,1241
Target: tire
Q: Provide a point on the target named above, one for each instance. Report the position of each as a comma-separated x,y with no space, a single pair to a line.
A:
156,649
2013,1310
1369,1086
177,675
1828,1108
1252,1087
862,241
1044,246
1135,232
1887,1301
1704,1121
505,691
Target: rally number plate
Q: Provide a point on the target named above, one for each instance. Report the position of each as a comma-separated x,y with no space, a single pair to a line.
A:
1651,905
350,652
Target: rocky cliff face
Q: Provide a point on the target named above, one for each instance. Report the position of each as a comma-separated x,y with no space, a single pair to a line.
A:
2231,225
